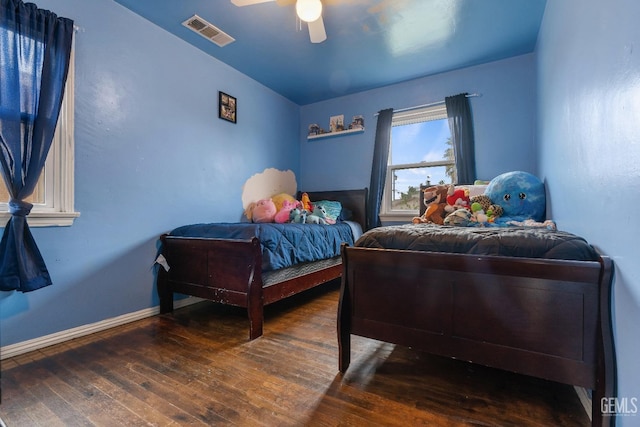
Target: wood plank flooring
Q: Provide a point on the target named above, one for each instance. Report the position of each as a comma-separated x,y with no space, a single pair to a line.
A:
196,367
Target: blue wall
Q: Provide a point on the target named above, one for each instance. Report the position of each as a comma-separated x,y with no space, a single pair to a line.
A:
151,154
589,147
504,122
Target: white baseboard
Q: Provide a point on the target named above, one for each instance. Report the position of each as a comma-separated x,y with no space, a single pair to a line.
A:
62,336
585,399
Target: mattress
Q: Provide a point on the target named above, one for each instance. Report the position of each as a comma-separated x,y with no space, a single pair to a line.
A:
283,245
528,242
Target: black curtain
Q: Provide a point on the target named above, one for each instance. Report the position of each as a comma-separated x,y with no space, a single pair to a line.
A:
461,125
379,168
35,47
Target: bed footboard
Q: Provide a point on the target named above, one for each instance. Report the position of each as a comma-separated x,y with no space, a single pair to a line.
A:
546,318
221,270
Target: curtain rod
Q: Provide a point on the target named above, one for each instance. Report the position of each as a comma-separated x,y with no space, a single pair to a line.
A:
469,95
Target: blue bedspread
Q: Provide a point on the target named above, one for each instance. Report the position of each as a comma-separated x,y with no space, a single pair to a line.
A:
283,245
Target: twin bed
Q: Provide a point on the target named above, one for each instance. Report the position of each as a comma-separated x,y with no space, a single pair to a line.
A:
252,265
527,299
537,303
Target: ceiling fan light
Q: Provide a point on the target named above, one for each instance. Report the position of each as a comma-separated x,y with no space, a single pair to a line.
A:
309,10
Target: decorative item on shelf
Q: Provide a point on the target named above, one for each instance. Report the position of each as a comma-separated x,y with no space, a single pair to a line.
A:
337,128
336,123
227,107
357,122
314,129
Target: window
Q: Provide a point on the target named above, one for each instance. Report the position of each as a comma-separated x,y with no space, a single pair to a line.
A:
53,197
421,153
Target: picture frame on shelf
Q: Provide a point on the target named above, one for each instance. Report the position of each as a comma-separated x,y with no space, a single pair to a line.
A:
357,122
336,123
227,107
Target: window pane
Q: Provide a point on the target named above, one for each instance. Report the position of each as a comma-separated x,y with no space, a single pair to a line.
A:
420,154
36,197
406,185
420,142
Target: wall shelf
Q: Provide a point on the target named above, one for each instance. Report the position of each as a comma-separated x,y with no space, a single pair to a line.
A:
335,134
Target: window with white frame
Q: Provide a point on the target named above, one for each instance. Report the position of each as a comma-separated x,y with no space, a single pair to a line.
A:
421,153
52,199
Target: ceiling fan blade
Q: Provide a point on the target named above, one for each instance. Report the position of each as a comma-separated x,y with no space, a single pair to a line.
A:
241,3
317,33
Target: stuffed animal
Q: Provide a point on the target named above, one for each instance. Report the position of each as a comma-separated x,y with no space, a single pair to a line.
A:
280,198
457,199
460,217
282,215
306,202
520,194
318,216
492,210
263,210
435,199
298,215
478,214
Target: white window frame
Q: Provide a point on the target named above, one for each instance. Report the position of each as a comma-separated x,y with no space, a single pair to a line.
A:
58,207
401,118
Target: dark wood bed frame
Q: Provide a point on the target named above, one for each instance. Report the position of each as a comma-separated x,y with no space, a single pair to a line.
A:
229,271
545,318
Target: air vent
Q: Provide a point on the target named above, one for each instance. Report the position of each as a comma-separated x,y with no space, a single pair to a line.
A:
208,31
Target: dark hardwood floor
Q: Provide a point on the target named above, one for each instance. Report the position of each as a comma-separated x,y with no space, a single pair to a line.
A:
196,367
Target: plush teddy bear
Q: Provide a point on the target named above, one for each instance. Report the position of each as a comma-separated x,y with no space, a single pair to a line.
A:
264,210
435,199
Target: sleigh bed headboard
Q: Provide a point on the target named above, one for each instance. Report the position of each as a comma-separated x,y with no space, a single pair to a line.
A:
355,201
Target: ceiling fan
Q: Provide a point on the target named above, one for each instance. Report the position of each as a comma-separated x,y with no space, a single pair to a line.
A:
309,11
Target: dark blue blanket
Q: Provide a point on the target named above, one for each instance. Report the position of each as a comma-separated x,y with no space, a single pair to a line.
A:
283,245
529,242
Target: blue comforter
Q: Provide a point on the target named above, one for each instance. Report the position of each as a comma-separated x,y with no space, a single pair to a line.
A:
283,245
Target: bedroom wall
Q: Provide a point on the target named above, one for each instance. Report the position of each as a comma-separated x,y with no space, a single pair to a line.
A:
504,122
589,110
151,154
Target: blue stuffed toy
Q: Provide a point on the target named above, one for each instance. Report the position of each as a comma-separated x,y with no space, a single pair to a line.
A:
521,196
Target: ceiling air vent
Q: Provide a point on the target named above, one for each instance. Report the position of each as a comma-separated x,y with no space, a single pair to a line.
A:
208,31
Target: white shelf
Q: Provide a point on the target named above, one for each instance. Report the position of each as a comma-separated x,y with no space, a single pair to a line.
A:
335,134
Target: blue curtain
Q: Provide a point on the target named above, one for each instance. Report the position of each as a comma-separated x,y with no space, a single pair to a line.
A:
35,46
379,168
461,125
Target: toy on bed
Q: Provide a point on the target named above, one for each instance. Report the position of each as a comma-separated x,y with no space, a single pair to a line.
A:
457,198
521,196
483,211
435,199
264,210
283,214
511,199
318,216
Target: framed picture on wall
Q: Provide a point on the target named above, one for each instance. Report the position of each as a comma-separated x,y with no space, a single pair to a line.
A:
227,107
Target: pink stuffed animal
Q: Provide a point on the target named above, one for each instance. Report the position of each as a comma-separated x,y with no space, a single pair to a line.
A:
263,211
283,214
